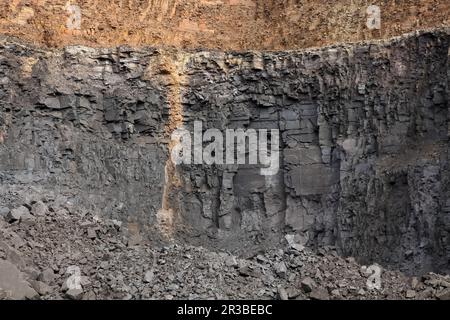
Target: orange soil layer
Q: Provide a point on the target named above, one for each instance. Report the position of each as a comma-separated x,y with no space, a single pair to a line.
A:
216,24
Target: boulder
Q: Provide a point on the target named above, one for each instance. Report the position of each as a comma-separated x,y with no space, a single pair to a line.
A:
12,283
308,284
17,213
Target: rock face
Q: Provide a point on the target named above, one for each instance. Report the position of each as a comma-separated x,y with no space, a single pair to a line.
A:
363,136
214,24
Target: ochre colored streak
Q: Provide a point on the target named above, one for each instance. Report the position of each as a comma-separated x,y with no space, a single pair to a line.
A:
171,68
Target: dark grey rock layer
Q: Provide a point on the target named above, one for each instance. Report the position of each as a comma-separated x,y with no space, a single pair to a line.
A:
364,138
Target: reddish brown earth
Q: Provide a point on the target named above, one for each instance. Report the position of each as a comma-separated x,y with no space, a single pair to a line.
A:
216,24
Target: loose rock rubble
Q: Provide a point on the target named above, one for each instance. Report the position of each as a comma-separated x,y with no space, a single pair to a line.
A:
72,254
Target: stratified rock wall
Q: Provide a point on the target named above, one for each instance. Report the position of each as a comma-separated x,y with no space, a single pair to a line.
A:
363,127
216,24
83,121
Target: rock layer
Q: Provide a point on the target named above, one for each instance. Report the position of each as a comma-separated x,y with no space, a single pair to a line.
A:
363,127
215,24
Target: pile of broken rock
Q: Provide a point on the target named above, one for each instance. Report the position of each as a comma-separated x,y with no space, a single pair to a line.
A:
48,250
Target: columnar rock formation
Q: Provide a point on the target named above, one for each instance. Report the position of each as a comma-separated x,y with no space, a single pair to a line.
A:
364,137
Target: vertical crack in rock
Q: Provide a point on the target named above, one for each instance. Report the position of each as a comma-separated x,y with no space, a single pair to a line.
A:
171,68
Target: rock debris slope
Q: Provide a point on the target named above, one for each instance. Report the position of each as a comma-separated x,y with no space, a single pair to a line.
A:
40,256
364,147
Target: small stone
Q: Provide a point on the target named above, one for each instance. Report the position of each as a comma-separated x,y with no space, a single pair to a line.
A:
350,260
16,241
134,240
244,271
261,258
117,224
414,282
39,209
319,294
127,297
293,292
336,293
27,218
89,296
290,238
74,294
231,261
282,294
84,281
426,294
91,233
361,292
361,88
47,276
280,269
31,272
149,275
75,281
41,288
61,212
4,212
298,247
410,294
363,271
172,287
443,295
15,214
307,284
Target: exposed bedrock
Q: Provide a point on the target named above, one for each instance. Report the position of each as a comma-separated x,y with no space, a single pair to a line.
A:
363,133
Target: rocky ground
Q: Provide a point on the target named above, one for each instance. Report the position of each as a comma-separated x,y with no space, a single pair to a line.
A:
51,250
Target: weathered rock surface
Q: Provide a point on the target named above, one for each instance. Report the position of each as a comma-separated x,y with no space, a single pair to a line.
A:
214,24
364,136
13,284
